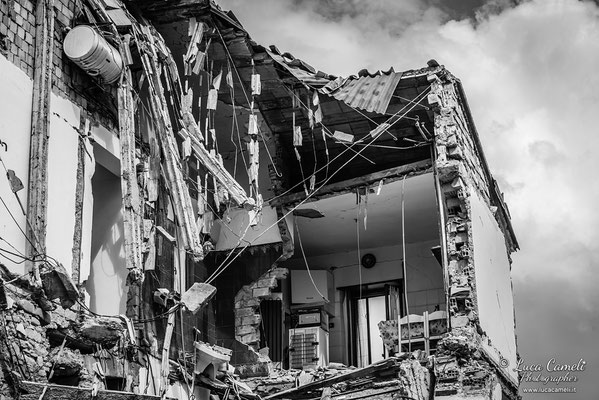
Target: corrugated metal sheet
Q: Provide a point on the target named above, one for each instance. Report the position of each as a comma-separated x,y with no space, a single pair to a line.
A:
368,92
300,70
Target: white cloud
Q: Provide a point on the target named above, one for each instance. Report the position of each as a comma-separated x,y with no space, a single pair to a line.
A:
529,72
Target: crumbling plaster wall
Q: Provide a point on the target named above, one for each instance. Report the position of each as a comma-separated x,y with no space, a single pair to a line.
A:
462,181
71,105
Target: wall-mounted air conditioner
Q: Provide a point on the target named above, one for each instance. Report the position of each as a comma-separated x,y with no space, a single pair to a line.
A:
303,290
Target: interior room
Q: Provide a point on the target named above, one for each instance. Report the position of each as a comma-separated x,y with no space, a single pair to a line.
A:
353,245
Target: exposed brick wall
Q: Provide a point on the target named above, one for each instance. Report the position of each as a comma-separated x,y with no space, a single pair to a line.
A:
247,301
17,44
16,32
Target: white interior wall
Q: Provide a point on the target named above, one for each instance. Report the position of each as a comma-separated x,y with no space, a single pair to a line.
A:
493,284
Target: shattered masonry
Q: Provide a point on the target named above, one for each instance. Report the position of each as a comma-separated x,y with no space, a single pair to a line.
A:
156,189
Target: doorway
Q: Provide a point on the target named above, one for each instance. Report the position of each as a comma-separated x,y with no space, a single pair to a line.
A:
368,306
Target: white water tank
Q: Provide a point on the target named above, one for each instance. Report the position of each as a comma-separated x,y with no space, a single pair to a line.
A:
92,53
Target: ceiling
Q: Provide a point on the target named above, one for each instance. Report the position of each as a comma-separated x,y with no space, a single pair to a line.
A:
336,231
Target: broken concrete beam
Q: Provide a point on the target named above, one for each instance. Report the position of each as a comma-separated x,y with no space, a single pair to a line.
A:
197,296
57,284
100,330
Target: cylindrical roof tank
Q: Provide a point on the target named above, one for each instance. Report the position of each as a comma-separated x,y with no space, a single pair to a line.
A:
90,51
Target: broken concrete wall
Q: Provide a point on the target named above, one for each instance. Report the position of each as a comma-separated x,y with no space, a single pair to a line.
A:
461,371
463,180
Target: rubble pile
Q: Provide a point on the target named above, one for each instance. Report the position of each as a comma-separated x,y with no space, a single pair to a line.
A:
405,376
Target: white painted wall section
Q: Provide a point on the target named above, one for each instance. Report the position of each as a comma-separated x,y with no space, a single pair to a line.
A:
264,232
15,127
62,179
493,284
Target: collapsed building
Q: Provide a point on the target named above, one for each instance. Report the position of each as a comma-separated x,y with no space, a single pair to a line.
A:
189,214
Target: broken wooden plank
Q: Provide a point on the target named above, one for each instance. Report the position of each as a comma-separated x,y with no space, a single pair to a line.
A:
166,345
218,171
37,198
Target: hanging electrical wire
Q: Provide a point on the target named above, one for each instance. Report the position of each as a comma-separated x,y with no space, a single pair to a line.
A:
247,99
225,263
404,263
289,190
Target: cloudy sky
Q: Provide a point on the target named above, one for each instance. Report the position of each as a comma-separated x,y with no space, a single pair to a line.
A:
529,71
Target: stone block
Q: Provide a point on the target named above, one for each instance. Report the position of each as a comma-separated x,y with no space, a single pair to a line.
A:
266,283
249,320
279,273
261,292
198,295
249,338
101,330
244,330
244,294
244,312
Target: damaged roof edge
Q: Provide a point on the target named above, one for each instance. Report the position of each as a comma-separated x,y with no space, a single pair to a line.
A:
493,186
229,18
334,189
